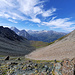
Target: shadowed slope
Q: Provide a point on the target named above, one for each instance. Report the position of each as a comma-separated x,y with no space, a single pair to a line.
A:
12,44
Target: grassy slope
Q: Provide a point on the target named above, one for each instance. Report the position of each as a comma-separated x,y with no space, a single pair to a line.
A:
38,44
59,39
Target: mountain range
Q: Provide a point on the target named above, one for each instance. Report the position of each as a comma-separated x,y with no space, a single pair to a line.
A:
12,44
15,45
23,33
45,36
60,49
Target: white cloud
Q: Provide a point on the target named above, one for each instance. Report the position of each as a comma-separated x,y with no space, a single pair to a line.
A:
24,10
36,20
37,10
15,10
69,28
49,12
64,23
12,20
4,15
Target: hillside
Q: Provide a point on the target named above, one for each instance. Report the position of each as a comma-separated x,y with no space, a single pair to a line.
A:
39,44
63,48
12,44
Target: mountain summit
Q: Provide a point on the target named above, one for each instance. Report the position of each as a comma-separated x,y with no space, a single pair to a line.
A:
12,44
62,48
23,33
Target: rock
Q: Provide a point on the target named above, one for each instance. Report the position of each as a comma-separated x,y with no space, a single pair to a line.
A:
18,59
14,63
36,65
7,58
74,69
32,74
36,71
73,60
67,67
0,72
55,61
30,61
57,69
42,74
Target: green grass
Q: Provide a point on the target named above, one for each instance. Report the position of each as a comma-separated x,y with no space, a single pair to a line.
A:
2,56
41,61
38,44
59,39
63,37
51,43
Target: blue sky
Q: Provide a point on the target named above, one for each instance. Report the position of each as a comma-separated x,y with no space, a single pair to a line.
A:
58,15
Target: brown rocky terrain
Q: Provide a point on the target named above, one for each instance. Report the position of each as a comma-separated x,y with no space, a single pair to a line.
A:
64,48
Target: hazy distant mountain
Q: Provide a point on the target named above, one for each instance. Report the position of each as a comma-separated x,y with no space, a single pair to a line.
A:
12,44
46,36
60,49
23,33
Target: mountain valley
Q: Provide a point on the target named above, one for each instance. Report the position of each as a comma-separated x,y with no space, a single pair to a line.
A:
60,49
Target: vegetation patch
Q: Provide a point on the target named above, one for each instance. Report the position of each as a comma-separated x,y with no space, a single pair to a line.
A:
38,44
42,61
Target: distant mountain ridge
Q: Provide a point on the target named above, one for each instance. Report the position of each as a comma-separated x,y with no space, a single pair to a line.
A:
12,44
45,36
23,33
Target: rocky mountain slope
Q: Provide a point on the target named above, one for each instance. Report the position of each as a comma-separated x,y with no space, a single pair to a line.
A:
23,33
46,36
63,48
12,44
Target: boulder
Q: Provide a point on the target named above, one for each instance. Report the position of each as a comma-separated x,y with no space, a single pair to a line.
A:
7,58
19,59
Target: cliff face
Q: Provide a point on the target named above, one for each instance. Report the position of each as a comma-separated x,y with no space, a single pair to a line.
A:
64,48
12,44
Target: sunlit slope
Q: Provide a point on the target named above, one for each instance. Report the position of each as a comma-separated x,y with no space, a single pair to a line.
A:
63,48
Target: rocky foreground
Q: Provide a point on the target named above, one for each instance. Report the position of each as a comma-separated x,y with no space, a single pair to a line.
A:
22,66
